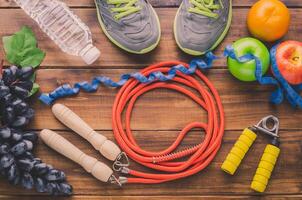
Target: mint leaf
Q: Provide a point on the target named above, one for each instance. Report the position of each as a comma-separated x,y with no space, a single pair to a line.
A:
21,48
13,58
17,42
7,41
29,37
9,47
33,58
34,90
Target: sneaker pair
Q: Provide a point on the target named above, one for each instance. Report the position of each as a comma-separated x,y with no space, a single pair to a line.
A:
133,25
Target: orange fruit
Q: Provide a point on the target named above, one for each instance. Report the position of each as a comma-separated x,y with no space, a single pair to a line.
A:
268,20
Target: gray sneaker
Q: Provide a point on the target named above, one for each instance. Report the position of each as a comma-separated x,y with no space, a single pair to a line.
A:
132,25
200,25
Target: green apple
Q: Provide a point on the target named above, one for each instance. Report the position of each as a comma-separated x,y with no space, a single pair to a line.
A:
246,71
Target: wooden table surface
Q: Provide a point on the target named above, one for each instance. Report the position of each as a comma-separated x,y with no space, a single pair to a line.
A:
160,114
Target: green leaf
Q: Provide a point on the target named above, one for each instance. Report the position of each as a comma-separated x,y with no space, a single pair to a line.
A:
25,52
34,90
21,48
29,37
33,58
7,41
14,58
17,42
9,47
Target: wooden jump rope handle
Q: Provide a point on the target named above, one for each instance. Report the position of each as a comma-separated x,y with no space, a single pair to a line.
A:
106,147
98,169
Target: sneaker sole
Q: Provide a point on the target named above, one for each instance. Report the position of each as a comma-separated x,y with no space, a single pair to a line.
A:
143,51
199,53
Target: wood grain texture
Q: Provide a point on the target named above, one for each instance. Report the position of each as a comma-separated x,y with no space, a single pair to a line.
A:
112,56
155,3
162,109
286,178
159,115
201,197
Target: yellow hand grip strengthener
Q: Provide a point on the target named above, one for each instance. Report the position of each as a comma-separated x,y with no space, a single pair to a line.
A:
237,153
268,159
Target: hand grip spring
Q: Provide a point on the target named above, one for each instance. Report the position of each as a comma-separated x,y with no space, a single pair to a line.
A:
265,168
237,153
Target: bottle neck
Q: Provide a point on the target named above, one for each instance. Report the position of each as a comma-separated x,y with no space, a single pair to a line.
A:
85,50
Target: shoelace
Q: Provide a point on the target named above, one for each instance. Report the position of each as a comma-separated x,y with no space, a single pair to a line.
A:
123,8
205,7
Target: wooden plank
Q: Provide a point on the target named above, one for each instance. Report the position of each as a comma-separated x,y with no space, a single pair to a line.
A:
163,109
286,179
205,197
112,56
210,184
155,3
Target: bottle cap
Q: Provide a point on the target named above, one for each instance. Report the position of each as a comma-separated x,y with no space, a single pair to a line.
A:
91,55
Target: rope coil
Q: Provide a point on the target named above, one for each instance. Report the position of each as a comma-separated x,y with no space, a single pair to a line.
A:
197,157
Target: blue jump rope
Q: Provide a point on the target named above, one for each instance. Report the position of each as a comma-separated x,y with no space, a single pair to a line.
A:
283,89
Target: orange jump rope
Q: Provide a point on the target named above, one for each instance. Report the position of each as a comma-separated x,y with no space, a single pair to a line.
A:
198,157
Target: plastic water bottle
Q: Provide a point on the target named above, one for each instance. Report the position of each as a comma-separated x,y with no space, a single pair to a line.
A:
62,26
